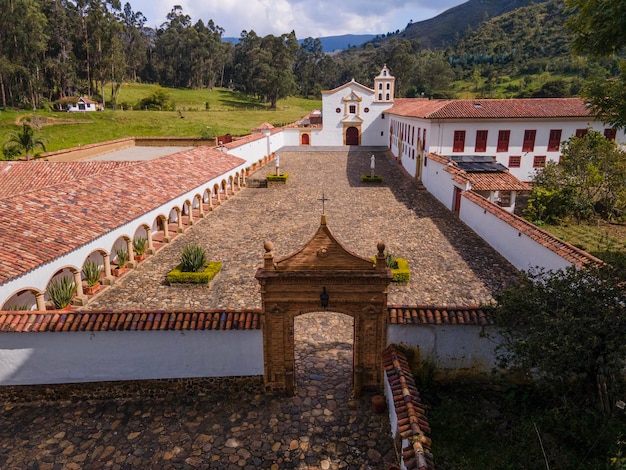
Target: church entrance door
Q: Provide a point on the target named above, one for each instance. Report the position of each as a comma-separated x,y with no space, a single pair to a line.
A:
352,136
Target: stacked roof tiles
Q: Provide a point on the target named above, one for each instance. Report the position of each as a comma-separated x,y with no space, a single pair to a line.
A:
128,320
491,108
412,424
89,199
433,315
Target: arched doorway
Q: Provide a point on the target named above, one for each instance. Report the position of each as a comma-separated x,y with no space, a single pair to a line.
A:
305,139
324,351
323,276
352,136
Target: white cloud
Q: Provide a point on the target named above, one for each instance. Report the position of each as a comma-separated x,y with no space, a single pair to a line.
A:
306,18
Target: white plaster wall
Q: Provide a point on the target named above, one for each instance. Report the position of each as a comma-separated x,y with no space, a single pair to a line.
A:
450,347
393,416
253,150
372,126
40,358
519,249
439,183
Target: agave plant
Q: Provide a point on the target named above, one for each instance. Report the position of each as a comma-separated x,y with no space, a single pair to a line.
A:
92,272
139,245
192,258
61,291
122,256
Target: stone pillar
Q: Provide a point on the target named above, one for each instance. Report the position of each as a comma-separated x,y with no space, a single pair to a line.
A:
131,254
166,231
201,208
41,302
150,248
108,279
190,219
179,221
79,298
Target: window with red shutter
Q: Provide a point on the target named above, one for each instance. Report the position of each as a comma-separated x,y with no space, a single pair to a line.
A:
539,161
459,141
515,161
529,141
503,141
610,134
481,141
554,143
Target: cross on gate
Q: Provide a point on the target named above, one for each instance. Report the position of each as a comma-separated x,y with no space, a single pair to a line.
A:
323,199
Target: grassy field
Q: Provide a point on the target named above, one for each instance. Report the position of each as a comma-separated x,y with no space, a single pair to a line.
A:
604,240
228,113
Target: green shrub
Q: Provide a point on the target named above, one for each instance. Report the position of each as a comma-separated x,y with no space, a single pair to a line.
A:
279,178
402,273
391,261
371,179
193,258
61,291
139,245
122,257
399,268
209,271
92,272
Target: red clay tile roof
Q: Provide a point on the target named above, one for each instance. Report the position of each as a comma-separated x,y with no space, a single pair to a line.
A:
436,315
412,423
42,225
127,320
481,181
264,126
519,108
20,177
568,252
495,181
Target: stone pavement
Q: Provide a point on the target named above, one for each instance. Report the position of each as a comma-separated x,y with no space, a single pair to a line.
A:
321,427
450,264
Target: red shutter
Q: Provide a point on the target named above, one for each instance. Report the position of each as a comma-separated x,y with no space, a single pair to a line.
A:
529,141
481,141
459,141
503,141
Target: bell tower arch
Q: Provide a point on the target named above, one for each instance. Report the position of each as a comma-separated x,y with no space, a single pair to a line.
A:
384,85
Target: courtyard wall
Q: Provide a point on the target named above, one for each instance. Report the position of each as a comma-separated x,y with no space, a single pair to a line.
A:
75,357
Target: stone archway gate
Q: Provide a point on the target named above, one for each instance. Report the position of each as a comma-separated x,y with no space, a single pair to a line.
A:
323,275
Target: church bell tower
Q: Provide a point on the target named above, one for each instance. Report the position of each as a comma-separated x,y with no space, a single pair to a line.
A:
384,85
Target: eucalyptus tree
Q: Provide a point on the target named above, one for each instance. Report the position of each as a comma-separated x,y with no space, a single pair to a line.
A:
172,49
23,38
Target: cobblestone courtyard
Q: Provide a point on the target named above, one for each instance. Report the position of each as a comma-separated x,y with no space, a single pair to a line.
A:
322,427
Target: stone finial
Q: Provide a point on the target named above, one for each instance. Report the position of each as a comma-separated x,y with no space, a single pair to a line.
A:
381,248
268,258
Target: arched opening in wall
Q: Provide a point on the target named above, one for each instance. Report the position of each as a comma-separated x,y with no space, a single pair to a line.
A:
352,136
306,139
324,354
22,300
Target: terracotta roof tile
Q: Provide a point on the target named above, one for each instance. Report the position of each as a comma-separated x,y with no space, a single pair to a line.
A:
436,315
37,227
412,423
35,321
519,108
495,181
21,177
568,252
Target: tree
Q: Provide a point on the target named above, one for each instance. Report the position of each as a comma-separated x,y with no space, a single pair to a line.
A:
598,27
25,141
566,329
589,180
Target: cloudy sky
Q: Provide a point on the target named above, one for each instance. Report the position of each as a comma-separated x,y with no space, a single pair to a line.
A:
307,18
